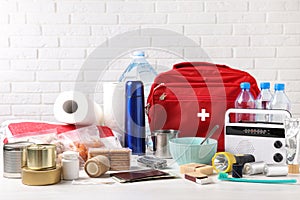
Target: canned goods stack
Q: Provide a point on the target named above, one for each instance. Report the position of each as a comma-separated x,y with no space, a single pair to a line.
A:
41,166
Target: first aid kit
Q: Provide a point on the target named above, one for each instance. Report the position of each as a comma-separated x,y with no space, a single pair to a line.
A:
194,96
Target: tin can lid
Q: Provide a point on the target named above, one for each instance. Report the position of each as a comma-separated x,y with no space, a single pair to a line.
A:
16,146
42,147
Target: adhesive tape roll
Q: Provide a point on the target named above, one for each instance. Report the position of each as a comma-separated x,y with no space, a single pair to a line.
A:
38,178
74,107
97,166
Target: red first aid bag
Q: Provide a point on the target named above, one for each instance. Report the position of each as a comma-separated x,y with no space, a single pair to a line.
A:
193,98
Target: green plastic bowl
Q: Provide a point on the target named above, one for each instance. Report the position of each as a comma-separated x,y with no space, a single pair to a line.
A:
188,150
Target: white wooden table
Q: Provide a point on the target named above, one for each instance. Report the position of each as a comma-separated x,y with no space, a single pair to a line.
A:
155,190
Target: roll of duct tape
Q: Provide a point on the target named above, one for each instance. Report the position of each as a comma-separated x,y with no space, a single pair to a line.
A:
38,178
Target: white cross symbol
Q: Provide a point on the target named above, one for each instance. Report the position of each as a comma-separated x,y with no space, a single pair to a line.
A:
203,114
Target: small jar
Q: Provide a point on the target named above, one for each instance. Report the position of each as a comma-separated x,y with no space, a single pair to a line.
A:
70,165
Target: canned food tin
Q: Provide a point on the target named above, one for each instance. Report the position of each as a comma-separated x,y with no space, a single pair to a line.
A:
14,158
41,156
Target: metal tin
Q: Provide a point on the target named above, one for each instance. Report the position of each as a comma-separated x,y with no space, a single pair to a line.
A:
14,158
38,178
41,156
161,140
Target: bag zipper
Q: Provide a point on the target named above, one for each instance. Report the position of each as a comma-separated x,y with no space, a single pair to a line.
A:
147,107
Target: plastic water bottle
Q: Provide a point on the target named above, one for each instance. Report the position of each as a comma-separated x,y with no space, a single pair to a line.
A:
279,101
139,69
245,100
263,101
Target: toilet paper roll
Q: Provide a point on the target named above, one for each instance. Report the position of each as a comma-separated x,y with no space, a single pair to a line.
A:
114,105
74,107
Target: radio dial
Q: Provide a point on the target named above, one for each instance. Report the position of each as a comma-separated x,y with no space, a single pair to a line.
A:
278,157
277,144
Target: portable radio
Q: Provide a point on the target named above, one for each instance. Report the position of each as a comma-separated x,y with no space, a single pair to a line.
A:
264,140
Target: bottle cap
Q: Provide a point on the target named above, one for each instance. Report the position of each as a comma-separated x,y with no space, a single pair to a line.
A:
245,85
279,86
264,85
138,53
70,155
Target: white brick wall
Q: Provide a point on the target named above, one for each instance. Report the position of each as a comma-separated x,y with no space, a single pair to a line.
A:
45,44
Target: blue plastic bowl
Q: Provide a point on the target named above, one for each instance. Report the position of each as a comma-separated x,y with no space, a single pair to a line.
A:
188,150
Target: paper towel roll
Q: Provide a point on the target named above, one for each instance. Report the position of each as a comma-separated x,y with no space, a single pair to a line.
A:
74,107
114,105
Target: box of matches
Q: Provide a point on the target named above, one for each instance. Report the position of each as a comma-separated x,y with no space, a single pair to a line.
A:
198,178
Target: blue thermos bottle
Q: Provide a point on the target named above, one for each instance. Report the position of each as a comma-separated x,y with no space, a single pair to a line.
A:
135,117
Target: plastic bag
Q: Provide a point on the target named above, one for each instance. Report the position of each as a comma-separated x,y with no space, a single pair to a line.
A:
81,139
42,137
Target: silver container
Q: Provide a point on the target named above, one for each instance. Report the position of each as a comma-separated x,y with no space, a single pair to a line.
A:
160,140
14,158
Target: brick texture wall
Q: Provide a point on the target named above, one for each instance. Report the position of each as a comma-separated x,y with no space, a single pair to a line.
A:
44,43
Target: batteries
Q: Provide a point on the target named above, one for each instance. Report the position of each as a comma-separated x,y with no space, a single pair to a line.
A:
254,168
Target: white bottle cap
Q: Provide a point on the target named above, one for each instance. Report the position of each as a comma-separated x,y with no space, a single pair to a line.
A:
138,53
70,155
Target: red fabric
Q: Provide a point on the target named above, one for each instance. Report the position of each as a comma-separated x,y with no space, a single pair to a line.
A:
33,128
19,129
178,95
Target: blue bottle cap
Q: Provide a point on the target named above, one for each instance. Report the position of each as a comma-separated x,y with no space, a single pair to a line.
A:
134,89
264,85
245,85
279,86
138,53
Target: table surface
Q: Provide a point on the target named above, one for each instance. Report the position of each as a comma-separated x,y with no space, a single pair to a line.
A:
178,188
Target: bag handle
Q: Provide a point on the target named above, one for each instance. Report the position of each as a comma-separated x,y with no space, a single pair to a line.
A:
196,64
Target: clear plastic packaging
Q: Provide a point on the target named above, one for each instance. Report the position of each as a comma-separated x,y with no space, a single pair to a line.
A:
42,137
82,139
292,130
